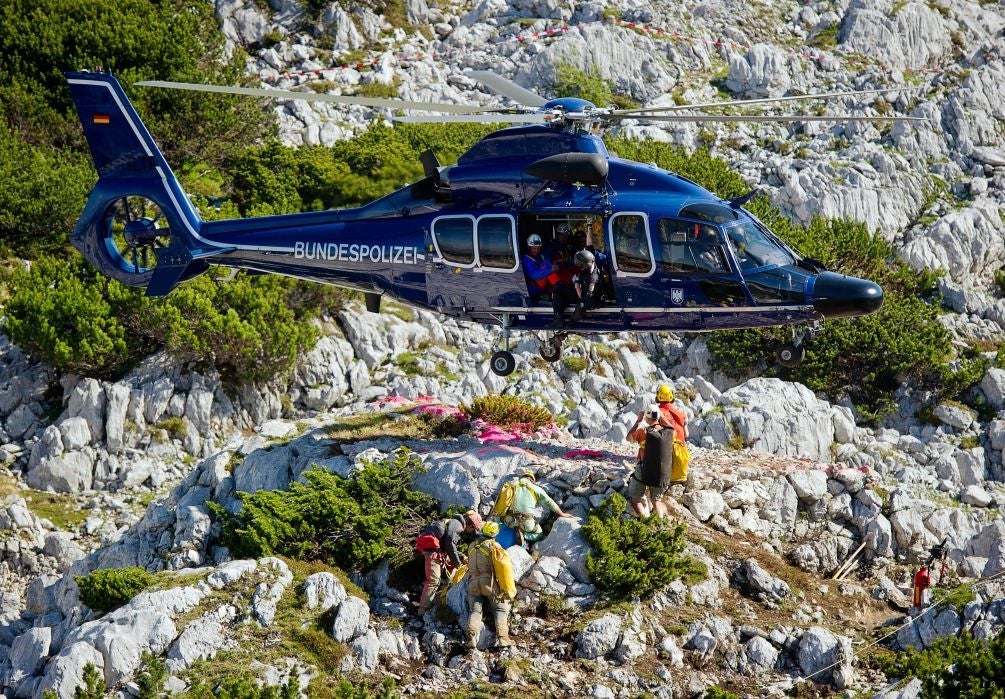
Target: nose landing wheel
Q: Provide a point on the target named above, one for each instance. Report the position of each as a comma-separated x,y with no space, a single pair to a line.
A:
502,362
790,355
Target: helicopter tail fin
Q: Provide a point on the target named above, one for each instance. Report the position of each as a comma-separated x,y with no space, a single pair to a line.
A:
138,226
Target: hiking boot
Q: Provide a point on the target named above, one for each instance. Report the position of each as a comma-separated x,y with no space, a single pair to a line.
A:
504,643
557,323
578,314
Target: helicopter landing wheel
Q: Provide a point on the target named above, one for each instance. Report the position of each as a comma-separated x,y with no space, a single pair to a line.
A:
789,355
502,363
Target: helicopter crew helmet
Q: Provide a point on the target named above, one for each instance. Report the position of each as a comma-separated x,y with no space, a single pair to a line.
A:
563,229
664,394
584,259
534,240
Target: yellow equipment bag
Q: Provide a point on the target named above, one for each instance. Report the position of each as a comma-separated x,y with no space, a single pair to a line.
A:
681,459
505,500
458,574
503,569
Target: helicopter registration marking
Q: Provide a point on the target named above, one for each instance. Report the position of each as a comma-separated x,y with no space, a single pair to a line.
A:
354,252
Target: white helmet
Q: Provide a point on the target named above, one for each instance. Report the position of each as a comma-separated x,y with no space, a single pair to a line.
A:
533,239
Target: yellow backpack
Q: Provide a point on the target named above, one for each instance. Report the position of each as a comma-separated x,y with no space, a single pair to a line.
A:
502,567
506,497
681,459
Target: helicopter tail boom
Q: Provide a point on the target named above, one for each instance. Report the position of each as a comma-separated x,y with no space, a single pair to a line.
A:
138,226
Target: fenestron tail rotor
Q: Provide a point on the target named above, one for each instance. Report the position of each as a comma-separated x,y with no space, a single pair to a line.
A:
134,227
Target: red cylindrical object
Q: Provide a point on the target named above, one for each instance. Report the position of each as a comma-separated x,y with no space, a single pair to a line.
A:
922,581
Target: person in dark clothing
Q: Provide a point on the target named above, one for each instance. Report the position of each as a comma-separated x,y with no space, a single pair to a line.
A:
579,292
438,544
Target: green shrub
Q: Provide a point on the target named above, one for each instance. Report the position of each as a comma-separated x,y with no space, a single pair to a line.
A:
62,312
110,588
65,313
635,557
152,677
352,523
957,666
243,686
576,364
508,411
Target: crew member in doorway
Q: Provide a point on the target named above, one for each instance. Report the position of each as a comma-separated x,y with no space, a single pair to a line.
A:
536,268
579,292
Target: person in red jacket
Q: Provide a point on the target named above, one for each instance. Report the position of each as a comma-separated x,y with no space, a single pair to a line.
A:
671,415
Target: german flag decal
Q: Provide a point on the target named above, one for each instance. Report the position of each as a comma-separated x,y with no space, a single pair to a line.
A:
101,119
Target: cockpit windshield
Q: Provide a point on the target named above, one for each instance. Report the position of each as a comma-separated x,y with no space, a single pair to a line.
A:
753,248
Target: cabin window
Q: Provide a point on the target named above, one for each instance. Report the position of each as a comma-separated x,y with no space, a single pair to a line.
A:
689,247
632,253
454,238
496,243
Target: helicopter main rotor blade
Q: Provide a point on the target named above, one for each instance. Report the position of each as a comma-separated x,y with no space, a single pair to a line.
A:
765,117
316,97
477,118
765,100
507,88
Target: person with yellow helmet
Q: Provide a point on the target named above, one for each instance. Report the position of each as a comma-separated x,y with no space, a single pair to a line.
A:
670,415
490,584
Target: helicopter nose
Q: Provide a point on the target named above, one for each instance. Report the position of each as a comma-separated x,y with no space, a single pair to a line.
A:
837,296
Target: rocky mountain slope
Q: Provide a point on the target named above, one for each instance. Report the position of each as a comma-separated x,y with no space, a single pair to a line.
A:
786,488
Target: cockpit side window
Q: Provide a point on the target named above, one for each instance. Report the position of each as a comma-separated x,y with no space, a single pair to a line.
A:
632,253
689,247
753,249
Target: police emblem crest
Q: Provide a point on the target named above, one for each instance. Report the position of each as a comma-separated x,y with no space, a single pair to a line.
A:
676,295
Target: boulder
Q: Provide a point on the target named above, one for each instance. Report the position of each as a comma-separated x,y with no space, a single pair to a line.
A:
565,541
323,591
351,620
599,638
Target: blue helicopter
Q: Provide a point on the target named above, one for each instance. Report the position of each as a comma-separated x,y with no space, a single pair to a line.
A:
669,254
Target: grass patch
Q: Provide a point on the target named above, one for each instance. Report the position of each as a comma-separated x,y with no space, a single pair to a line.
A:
62,509
396,309
576,364
396,424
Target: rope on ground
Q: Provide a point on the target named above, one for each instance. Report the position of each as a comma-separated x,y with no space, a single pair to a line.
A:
937,605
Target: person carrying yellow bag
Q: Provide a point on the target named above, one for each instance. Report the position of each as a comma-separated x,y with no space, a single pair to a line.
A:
490,584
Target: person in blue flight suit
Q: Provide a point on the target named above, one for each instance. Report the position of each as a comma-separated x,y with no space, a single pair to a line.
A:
537,268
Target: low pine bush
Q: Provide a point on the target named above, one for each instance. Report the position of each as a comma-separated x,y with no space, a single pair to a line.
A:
634,557
110,588
509,412
957,666
351,523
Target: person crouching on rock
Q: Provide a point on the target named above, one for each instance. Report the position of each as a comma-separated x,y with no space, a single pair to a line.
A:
490,585
438,544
